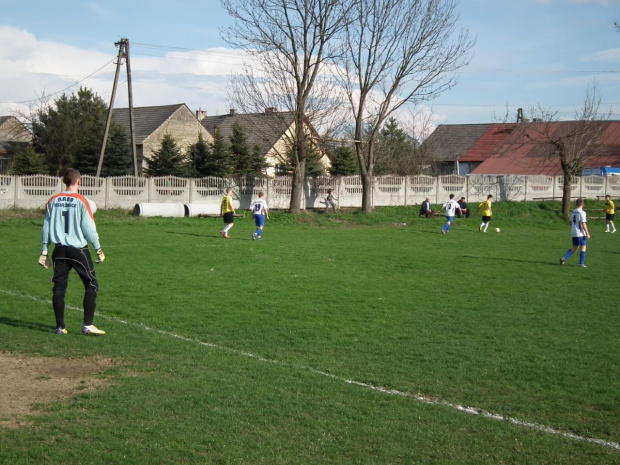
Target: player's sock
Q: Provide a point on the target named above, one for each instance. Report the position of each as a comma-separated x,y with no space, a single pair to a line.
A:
258,231
567,254
486,226
481,226
582,258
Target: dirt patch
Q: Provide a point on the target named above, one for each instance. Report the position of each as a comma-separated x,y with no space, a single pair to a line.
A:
27,381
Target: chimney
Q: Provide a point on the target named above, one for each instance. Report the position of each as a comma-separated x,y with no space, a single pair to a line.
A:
270,110
233,111
200,115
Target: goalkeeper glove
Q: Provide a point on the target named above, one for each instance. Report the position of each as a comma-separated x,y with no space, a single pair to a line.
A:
100,256
44,260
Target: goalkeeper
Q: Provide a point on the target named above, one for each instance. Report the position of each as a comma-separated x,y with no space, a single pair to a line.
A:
69,225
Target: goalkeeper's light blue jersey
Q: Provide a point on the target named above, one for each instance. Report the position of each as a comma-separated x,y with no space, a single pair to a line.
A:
69,221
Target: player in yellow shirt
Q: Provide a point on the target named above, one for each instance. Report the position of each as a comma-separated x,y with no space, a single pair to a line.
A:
228,212
487,213
610,210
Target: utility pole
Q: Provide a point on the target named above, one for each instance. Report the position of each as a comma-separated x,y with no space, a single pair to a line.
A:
123,53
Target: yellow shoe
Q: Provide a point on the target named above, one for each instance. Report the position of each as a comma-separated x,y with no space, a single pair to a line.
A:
92,330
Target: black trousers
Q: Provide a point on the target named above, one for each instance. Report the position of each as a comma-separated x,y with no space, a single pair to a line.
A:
64,259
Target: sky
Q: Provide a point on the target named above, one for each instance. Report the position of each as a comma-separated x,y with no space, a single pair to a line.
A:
528,53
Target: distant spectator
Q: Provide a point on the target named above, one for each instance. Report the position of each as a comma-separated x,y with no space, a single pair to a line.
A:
463,209
426,209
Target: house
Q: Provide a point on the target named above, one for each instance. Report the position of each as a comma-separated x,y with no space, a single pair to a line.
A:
151,124
497,149
449,142
13,133
271,130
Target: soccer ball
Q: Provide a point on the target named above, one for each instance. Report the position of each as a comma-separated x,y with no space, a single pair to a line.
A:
496,229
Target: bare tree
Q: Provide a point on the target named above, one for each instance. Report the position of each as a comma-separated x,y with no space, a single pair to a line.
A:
289,42
573,143
397,52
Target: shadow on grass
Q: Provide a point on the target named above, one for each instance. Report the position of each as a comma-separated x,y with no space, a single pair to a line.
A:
517,260
209,235
26,324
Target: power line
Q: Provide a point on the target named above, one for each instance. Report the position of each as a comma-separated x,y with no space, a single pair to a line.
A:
66,88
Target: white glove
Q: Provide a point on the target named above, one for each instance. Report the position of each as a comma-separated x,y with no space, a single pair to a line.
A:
100,256
44,260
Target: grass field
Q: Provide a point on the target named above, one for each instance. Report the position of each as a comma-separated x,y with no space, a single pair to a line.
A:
337,339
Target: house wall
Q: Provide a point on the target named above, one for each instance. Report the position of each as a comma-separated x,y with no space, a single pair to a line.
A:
277,153
11,131
182,126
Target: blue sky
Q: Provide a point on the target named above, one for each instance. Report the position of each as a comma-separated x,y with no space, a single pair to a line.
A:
528,53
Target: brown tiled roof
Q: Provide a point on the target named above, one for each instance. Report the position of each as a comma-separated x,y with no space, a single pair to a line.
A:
450,141
264,129
146,119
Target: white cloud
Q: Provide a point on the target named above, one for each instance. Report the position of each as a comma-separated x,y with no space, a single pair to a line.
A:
32,67
611,55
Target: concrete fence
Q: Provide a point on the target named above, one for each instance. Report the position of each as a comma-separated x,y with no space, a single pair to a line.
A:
32,192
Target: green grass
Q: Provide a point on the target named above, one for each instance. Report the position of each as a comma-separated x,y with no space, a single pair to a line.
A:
269,332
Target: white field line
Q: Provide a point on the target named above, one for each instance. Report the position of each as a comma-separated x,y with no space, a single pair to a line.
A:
422,399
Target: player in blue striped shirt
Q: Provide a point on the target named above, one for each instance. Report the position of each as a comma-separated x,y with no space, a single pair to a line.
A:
70,225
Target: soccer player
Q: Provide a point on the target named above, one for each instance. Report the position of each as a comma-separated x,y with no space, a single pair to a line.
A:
610,209
228,212
70,225
579,233
450,206
330,200
260,211
487,213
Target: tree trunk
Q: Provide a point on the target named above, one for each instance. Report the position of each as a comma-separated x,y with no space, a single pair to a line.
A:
566,192
297,188
366,193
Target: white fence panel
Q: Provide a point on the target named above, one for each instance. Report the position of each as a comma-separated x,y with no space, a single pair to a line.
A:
592,186
612,186
169,189
420,187
451,184
7,191
280,193
539,186
389,191
94,189
350,193
126,192
34,191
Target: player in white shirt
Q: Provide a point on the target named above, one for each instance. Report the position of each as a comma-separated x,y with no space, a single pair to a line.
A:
260,211
450,206
579,233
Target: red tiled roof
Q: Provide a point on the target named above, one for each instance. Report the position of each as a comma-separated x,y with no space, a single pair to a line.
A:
502,153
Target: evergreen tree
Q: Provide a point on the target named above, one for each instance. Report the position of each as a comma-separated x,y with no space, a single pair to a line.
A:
344,162
313,164
242,158
259,164
27,161
394,151
168,160
219,162
70,131
118,159
198,154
